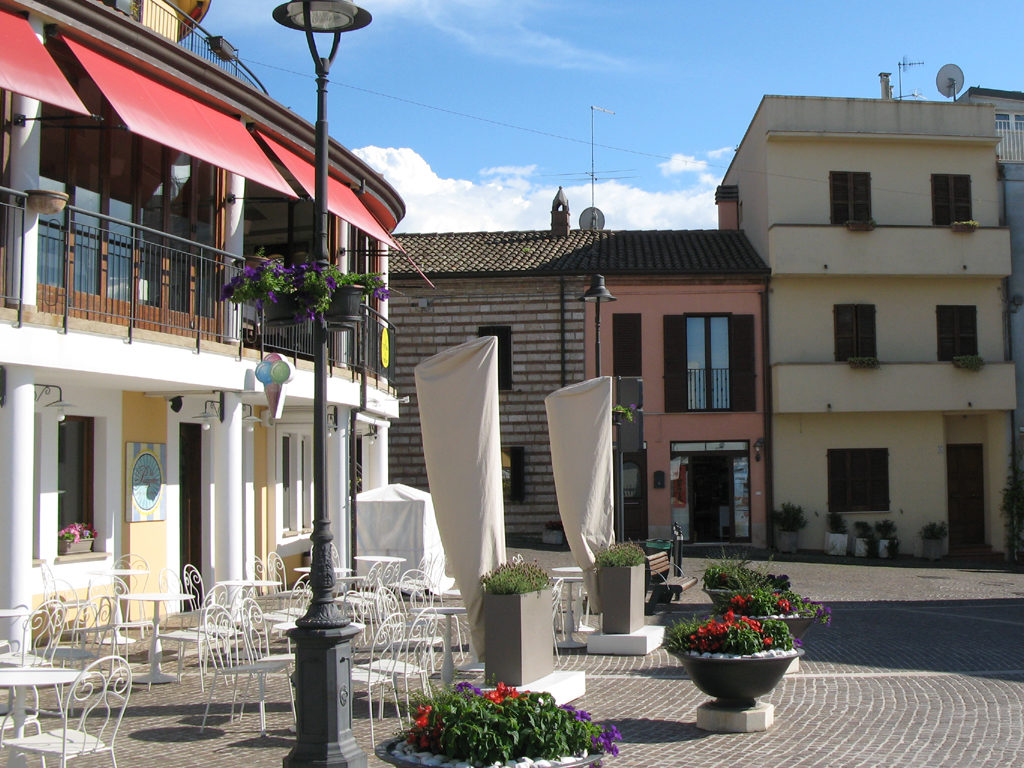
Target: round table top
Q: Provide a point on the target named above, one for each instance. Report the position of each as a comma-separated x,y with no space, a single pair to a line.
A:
249,583
154,596
308,569
445,610
568,569
14,613
379,558
15,676
119,572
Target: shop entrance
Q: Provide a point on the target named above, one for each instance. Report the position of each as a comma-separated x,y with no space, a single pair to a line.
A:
712,497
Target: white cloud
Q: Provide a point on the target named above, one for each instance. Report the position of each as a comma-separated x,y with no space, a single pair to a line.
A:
508,199
681,164
717,154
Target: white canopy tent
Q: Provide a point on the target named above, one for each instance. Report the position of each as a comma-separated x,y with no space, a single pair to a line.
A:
398,520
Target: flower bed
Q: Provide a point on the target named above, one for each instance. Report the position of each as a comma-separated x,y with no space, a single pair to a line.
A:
731,636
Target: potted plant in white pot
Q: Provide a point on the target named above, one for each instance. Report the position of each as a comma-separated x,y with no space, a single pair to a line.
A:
932,539
836,538
517,623
789,520
864,543
620,576
553,533
888,544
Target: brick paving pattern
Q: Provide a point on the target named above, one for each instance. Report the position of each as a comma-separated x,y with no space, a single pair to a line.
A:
923,667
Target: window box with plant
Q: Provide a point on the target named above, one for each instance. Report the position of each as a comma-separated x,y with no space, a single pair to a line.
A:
789,520
620,578
964,226
863,362
933,537
860,226
294,294
968,362
517,623
836,539
888,543
75,538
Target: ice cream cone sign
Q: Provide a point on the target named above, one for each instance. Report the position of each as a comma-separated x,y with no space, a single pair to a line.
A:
273,373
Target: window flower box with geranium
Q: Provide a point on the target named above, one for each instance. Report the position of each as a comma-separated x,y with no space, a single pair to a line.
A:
503,726
294,294
75,538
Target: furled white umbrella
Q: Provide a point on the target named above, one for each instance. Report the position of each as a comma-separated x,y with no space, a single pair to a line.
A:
457,391
580,429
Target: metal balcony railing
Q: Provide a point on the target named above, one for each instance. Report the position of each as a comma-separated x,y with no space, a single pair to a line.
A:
1011,146
167,20
99,268
707,393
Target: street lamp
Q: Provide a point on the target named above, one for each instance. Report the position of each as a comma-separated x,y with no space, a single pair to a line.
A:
323,679
598,294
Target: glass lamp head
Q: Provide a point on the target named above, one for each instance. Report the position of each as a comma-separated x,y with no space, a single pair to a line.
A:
322,15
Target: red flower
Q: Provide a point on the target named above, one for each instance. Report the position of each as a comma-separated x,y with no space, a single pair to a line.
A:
767,642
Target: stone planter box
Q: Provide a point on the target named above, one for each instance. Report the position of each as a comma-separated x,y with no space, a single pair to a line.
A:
835,544
932,549
622,599
555,538
786,541
883,548
860,547
74,547
518,638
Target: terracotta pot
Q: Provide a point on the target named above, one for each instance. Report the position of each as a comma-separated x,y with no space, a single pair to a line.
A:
518,638
736,682
622,599
346,306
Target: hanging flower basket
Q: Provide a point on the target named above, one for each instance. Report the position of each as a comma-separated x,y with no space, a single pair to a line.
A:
281,313
346,306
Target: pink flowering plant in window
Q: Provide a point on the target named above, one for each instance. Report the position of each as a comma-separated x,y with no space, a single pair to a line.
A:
77,532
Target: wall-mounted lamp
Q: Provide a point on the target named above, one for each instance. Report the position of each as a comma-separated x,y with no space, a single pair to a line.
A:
249,418
43,390
332,420
212,409
758,447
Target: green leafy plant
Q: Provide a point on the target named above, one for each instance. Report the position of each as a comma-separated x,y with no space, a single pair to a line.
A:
732,634
885,529
860,226
625,554
967,225
1012,507
626,412
968,362
761,603
836,522
939,530
862,362
790,518
517,577
737,574
472,726
309,284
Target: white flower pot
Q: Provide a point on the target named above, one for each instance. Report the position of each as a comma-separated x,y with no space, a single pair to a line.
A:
835,544
883,548
860,547
931,549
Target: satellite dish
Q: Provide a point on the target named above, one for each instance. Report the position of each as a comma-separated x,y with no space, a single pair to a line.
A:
592,219
949,80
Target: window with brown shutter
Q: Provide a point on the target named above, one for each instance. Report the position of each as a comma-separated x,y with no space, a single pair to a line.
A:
854,331
850,196
675,362
627,345
957,330
951,198
710,363
742,363
858,479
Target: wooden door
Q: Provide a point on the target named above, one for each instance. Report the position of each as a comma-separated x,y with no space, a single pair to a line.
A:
966,497
190,484
634,496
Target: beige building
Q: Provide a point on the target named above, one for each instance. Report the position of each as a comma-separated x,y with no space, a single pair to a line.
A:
877,297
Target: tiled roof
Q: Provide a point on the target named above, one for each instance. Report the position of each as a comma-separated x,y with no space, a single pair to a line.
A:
700,251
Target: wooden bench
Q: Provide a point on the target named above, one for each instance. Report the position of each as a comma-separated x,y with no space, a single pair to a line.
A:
662,583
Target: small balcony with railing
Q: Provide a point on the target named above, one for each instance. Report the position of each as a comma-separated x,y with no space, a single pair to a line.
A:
1011,144
106,275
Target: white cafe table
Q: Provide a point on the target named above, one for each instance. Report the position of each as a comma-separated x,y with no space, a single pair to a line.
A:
155,676
571,575
125,574
449,612
308,569
379,559
20,679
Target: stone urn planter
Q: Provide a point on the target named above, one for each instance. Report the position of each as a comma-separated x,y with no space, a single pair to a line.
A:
517,636
737,681
622,599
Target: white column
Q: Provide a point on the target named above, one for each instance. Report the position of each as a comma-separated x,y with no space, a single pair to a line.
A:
248,495
234,234
228,512
48,504
375,458
17,510
338,486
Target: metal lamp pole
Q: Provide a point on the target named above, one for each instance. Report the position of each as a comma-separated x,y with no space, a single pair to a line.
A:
323,679
598,294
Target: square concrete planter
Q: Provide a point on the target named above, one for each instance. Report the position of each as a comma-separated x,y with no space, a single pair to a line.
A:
786,541
835,544
519,638
553,537
622,599
932,549
860,547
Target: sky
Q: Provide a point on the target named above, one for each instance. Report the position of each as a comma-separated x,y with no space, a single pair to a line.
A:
476,111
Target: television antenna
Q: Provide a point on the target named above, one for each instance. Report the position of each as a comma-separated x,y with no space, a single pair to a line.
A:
593,174
949,80
905,63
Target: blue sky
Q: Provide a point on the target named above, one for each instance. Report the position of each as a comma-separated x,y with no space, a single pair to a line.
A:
477,110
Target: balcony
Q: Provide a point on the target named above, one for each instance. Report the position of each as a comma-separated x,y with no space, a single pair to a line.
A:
934,386
1011,146
122,278
811,249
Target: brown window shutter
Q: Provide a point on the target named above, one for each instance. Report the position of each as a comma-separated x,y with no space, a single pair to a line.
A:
878,478
839,196
627,345
946,322
845,331
860,208
675,362
504,336
941,204
966,331
837,485
742,364
866,330
961,194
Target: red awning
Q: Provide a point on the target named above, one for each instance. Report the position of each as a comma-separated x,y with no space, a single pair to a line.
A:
169,117
341,201
26,67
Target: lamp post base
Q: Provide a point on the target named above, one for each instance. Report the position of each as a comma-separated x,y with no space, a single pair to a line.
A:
323,700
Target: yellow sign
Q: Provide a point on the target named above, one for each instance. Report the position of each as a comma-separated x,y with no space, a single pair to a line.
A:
385,348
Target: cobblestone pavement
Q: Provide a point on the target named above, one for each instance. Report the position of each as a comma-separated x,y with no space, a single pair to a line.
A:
923,666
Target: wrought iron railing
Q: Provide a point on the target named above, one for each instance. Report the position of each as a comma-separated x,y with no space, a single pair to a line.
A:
706,393
1011,145
168,21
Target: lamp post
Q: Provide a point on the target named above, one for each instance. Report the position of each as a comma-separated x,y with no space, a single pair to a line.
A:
323,680
598,294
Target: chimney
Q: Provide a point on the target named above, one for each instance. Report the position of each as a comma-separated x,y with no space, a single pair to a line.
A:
727,198
560,215
886,88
